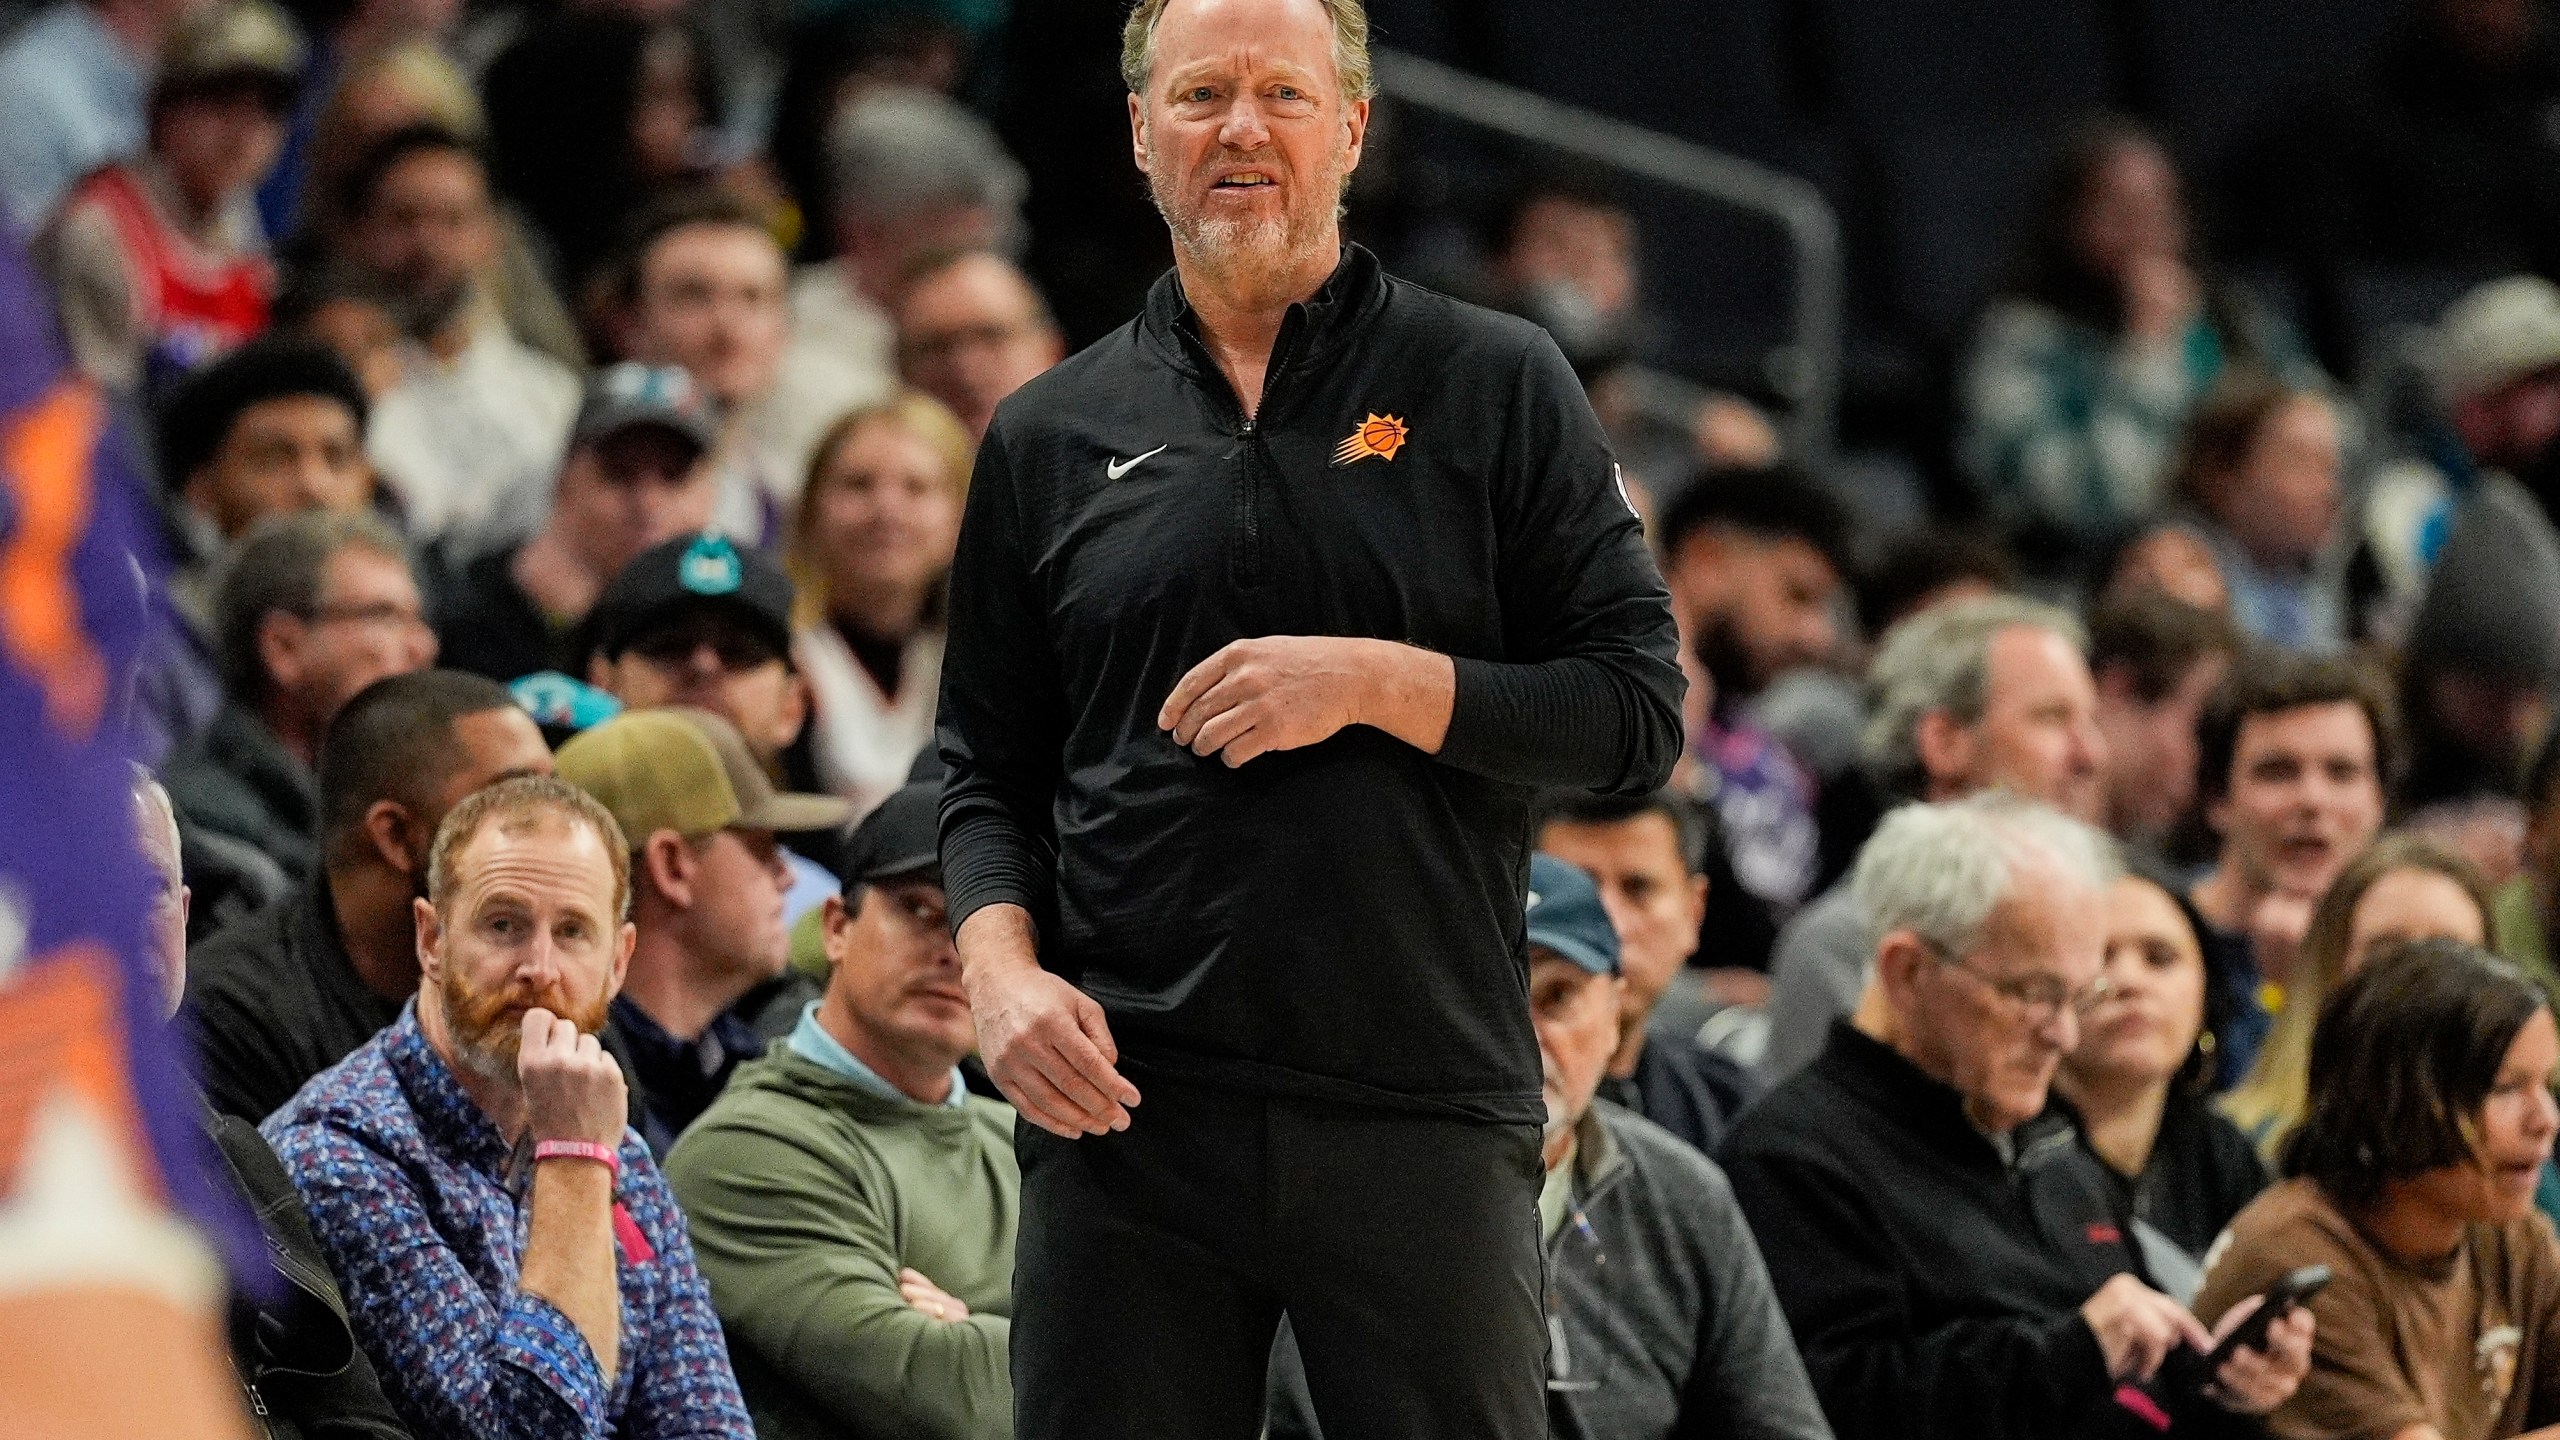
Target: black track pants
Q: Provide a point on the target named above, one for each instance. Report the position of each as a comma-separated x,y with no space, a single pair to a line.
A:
1154,1265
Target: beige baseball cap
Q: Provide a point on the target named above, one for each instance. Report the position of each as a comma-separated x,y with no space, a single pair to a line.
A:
2495,335
248,40
689,771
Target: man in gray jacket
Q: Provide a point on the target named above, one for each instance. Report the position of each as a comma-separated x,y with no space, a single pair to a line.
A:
1661,1322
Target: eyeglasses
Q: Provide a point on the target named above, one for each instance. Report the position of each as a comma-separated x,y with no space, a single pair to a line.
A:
2037,999
382,612
939,346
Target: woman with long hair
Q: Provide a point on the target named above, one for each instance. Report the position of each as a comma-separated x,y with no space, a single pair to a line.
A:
2110,328
2139,1075
2404,887
2429,1119
870,554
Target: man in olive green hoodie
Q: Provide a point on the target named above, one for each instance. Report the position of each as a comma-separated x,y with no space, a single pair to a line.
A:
852,1205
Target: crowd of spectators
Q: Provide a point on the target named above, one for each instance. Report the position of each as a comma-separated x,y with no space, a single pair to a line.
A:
2075,907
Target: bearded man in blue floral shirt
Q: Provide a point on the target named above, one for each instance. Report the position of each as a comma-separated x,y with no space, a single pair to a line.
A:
513,1260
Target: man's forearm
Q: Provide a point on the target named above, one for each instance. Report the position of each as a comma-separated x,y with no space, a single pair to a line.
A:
568,1253
1409,693
996,937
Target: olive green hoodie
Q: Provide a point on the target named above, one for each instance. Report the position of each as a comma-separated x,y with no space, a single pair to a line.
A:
807,1193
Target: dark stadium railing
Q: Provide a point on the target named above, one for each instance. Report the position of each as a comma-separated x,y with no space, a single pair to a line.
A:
1805,371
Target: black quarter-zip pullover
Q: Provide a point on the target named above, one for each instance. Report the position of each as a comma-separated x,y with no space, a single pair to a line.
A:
1343,920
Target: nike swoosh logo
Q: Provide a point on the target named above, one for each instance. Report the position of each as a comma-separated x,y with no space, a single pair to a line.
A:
1117,468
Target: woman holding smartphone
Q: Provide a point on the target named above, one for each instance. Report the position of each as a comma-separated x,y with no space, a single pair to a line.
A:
2429,1118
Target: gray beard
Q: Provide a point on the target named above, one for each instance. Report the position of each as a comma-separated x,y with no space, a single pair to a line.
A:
1238,245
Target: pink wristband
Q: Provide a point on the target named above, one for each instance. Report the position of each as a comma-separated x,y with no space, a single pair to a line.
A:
579,1150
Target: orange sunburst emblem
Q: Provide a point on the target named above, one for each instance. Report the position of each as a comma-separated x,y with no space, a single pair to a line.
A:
1379,435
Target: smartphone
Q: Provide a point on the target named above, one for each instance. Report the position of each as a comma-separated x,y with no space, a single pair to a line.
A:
2281,1299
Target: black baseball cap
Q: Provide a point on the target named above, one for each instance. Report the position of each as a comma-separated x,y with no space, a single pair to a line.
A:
688,572
901,840
633,396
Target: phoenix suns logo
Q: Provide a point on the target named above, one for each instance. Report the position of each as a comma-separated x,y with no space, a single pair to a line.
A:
1379,435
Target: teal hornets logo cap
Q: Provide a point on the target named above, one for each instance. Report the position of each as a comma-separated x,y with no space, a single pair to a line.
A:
710,566
670,581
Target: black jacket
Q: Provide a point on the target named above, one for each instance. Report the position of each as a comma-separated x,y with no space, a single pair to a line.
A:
301,1373
1685,1088
487,625
1934,1287
273,1000
2202,1172
1342,920
238,780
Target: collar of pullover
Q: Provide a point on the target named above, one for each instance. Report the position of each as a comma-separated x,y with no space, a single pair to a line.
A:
1315,329
1929,1108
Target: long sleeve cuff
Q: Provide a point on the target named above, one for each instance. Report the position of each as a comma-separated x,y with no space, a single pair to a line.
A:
986,860
2075,1366
546,1381
1571,721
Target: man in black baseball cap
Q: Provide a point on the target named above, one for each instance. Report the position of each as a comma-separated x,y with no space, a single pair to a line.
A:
855,1129
702,620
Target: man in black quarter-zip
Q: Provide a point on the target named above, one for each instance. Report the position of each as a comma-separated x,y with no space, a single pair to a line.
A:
1271,611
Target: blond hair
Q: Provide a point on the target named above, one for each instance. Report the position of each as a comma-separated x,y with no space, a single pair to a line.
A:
1350,46
923,417
515,806
437,91
2270,1100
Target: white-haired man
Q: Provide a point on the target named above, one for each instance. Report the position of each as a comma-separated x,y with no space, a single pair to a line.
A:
1297,506
1949,1270
1980,694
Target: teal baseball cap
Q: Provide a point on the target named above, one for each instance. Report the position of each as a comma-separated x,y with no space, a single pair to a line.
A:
1565,915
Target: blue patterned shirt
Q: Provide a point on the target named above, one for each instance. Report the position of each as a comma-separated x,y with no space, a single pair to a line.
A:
405,1179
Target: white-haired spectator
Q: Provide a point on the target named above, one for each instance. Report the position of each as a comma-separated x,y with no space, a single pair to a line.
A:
1987,693
914,173
1953,1265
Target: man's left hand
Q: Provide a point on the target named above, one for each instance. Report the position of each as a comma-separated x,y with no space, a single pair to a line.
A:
923,1295
2253,1382
1283,692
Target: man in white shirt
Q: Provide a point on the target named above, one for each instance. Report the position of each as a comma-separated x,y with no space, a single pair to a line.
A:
469,437
708,293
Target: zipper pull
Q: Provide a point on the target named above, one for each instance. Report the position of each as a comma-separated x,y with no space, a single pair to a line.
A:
257,1402
1247,432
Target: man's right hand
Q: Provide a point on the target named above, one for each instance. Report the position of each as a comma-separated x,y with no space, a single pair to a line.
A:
1045,1042
2138,1326
572,1088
